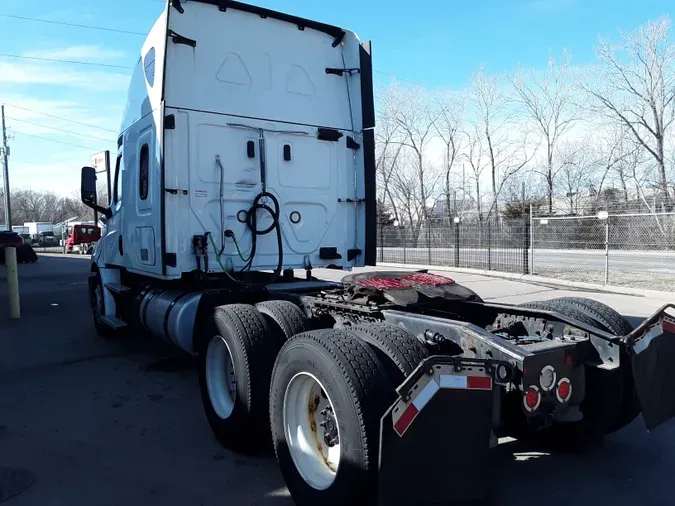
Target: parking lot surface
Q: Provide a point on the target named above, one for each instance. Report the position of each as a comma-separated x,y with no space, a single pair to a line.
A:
94,422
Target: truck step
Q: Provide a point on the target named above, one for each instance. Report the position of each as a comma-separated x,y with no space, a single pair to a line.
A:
116,288
113,322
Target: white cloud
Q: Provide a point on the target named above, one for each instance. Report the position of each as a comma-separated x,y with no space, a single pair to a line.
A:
16,74
79,53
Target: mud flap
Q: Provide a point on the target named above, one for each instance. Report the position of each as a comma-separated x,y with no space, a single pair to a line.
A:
653,347
435,438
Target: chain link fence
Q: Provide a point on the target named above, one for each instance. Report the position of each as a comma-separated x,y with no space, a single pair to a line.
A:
500,245
635,250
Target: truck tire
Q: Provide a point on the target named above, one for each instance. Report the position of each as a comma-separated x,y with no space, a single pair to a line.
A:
608,317
284,316
97,304
235,365
399,351
604,392
318,374
566,310
616,324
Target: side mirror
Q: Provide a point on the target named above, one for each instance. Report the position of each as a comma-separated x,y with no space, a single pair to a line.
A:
88,191
88,186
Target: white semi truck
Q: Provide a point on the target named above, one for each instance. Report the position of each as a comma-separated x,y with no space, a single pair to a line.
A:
246,154
41,233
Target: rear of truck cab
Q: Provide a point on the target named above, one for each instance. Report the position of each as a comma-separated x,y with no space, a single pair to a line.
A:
215,117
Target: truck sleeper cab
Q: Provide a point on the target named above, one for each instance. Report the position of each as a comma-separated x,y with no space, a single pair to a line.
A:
214,119
247,147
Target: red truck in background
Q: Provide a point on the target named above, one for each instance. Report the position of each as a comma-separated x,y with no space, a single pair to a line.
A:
81,238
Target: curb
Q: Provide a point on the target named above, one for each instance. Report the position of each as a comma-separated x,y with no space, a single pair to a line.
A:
533,278
62,255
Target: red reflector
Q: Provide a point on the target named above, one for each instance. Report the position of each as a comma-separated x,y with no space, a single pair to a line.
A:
406,419
532,399
569,360
564,391
484,382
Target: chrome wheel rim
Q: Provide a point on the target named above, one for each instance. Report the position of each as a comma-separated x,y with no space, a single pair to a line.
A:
312,431
221,382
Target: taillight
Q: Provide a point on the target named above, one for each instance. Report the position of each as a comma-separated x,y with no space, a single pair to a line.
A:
564,390
532,398
547,378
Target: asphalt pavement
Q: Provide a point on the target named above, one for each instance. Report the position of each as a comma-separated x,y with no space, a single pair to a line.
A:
94,422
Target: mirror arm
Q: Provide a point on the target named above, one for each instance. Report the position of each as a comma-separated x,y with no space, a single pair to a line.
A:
105,211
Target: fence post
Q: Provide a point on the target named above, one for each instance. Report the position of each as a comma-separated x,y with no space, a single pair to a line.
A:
489,245
12,272
428,241
531,241
456,242
381,243
526,246
607,251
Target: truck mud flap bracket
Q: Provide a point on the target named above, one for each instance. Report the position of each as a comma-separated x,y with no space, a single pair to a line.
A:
653,361
435,438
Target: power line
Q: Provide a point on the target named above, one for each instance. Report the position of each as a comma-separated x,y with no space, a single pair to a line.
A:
62,119
91,27
59,142
60,129
66,61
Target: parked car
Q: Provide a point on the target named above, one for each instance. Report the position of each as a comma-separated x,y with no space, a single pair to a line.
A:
10,239
24,252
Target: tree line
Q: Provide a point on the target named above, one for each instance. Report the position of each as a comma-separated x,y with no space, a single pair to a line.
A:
562,138
29,205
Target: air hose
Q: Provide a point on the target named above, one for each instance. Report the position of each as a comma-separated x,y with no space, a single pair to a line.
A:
252,222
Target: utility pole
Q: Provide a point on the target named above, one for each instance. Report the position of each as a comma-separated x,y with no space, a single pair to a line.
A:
5,155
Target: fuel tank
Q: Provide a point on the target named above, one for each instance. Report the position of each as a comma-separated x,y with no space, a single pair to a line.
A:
170,315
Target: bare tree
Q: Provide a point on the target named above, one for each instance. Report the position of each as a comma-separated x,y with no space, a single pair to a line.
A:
388,146
575,172
490,108
416,119
635,85
477,160
615,150
548,100
451,111
503,145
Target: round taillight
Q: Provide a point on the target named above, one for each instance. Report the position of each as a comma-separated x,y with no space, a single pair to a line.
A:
564,390
532,398
547,378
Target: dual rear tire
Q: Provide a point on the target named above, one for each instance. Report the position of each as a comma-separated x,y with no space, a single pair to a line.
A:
316,395
611,400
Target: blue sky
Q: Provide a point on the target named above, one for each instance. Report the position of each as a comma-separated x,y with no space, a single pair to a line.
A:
437,43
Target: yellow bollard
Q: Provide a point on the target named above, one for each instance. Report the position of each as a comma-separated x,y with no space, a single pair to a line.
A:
12,282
